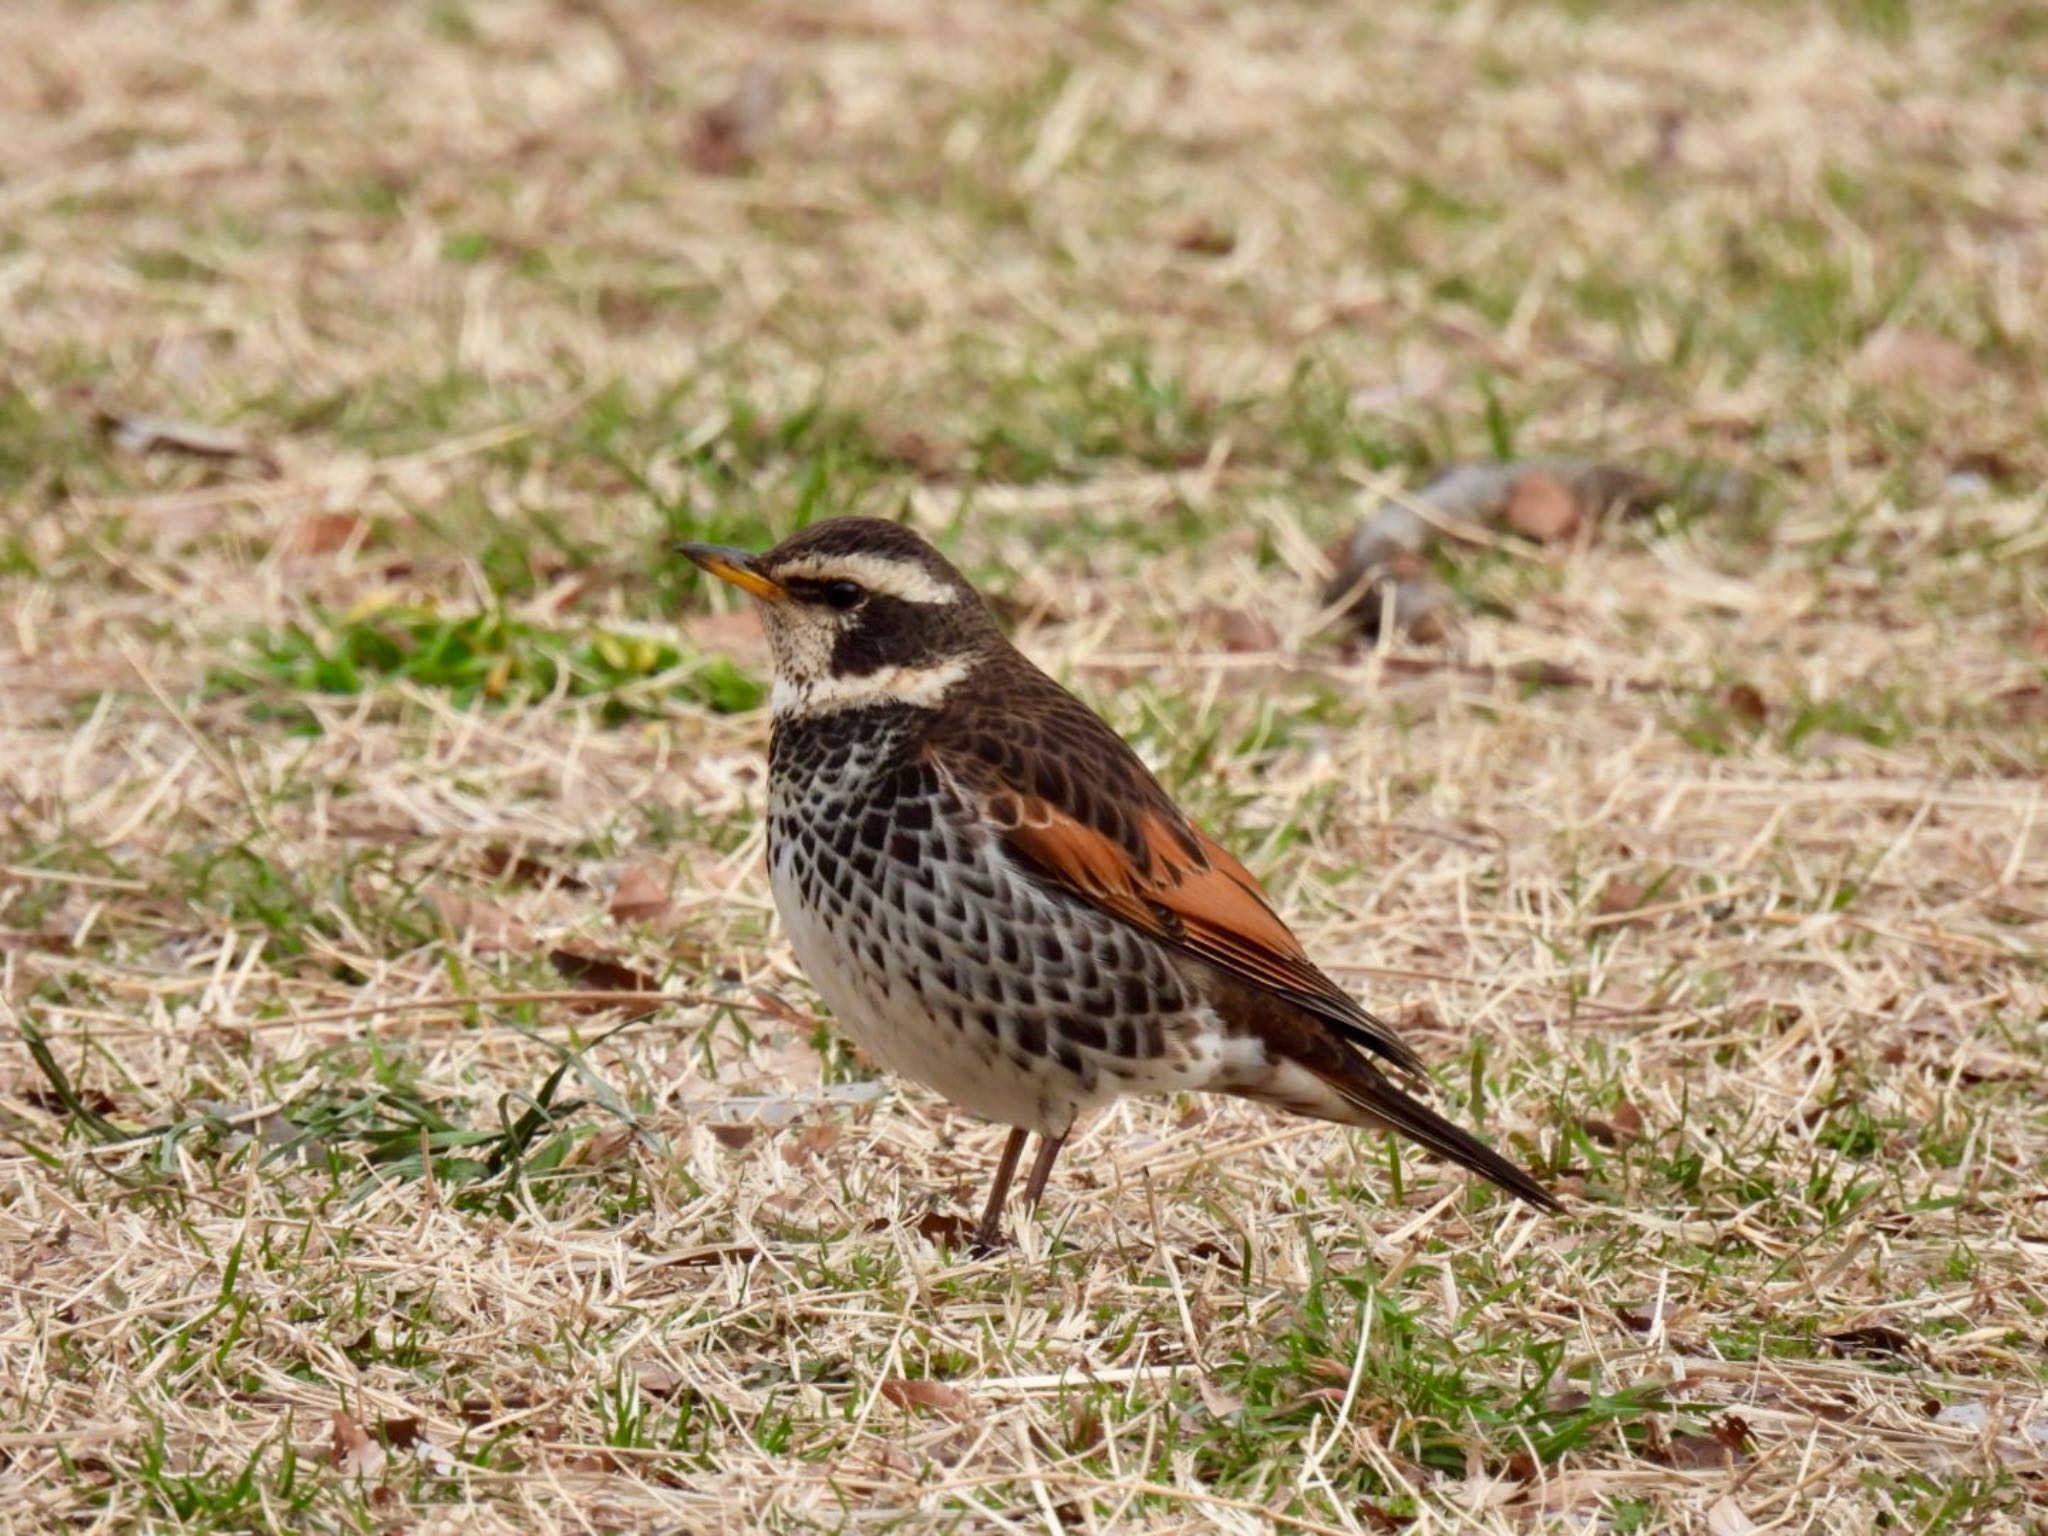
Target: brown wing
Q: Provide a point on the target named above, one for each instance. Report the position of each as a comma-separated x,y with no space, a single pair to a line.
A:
1081,811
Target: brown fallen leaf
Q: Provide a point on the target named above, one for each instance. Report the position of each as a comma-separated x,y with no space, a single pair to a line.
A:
1916,359
811,1142
1205,237
138,432
2036,638
1543,508
2025,704
1623,1127
1697,1453
1621,894
601,1148
949,1229
356,1451
95,1100
1221,1404
730,134
600,973
1380,571
658,1380
776,1007
1725,1518
1084,1425
1875,1341
735,1137
938,1396
502,863
323,533
642,894
932,458
1733,1431
399,1434
1483,491
1237,630
484,923
1746,704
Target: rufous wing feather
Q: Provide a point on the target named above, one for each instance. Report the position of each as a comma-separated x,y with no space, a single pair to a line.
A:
1191,892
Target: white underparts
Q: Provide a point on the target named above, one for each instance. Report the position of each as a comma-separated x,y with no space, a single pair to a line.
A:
920,687
899,579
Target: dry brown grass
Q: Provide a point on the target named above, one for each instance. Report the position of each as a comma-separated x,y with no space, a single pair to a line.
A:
1136,308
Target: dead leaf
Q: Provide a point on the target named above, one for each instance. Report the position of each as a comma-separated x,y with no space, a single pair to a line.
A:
1875,1341
1381,568
94,1100
729,134
1624,1127
1693,1453
1733,1431
1484,491
1205,237
502,863
2025,704
932,458
642,895
1221,1404
2036,639
1568,1491
399,1434
948,1229
356,1451
1542,507
658,1380
136,432
1746,704
1621,894
601,974
1917,359
775,1007
1725,1518
811,1142
601,1148
322,533
938,1396
1238,631
734,1136
484,923
1084,1425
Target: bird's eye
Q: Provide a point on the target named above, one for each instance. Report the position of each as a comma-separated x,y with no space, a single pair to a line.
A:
843,594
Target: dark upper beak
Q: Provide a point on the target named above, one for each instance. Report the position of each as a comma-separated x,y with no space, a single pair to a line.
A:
735,566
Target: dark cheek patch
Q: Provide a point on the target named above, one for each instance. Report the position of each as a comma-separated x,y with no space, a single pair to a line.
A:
888,632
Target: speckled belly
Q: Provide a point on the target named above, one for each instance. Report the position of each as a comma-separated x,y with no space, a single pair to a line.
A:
948,965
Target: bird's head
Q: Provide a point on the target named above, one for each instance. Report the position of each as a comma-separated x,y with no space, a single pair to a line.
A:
859,611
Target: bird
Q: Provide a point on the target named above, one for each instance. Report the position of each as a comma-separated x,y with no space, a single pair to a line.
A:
997,899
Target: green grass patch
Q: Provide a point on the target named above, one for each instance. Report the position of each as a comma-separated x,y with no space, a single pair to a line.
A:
485,658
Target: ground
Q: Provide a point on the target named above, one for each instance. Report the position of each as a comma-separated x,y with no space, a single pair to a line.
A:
361,742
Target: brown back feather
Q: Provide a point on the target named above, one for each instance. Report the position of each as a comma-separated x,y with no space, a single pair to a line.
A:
1081,811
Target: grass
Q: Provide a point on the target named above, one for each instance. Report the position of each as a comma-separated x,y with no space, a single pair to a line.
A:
358,788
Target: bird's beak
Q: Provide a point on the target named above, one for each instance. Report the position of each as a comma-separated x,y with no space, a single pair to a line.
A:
735,566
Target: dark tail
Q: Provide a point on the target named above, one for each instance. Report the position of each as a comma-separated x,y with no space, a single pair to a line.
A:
1348,1088
1383,1104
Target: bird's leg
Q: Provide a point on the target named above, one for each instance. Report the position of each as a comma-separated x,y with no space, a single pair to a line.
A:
1041,1168
990,1232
